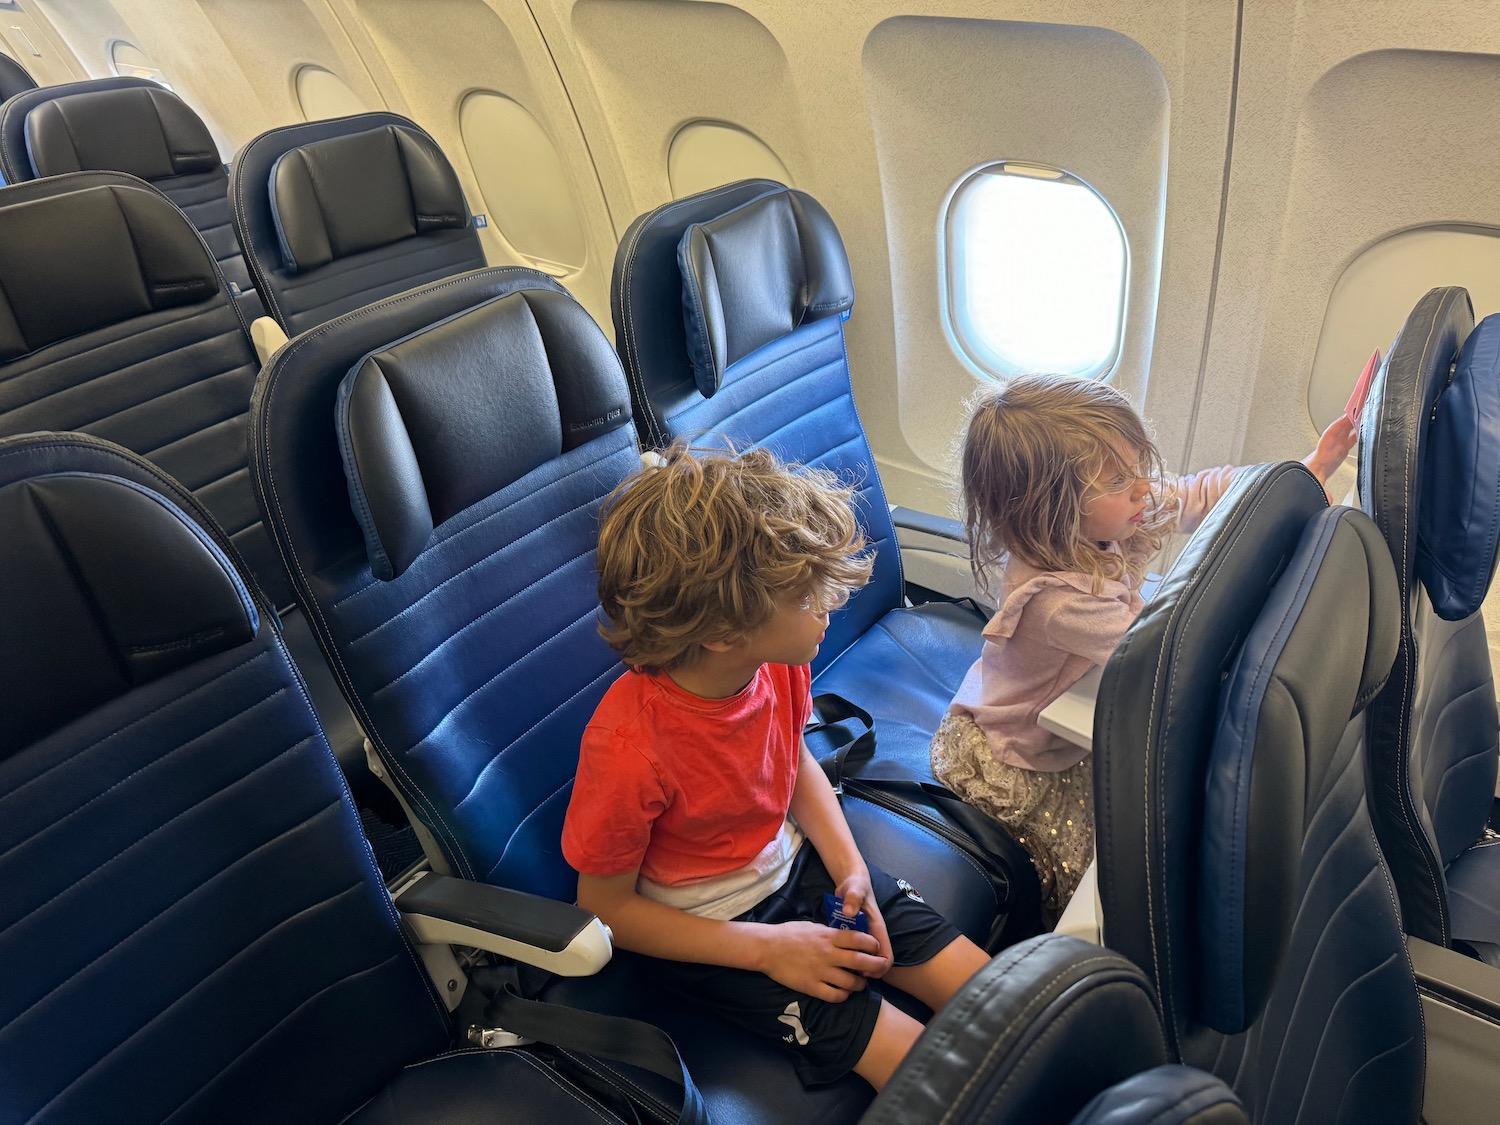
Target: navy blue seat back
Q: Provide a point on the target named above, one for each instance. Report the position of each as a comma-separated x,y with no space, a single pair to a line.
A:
336,214
475,662
14,78
433,466
118,323
121,326
128,125
1429,476
1070,1034
192,926
728,310
1237,862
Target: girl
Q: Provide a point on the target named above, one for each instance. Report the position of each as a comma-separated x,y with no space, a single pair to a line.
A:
1065,502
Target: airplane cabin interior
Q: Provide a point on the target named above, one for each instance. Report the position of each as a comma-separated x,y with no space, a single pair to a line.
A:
332,333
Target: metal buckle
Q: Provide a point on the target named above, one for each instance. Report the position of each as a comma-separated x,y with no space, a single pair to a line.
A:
494,1037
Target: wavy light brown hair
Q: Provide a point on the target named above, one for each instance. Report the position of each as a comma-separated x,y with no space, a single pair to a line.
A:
705,545
1037,450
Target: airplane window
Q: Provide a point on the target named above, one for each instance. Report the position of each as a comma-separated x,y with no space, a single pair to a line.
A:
129,61
1035,272
705,154
323,94
525,185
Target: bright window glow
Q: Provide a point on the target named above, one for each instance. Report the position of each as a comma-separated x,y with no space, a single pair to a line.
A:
1036,272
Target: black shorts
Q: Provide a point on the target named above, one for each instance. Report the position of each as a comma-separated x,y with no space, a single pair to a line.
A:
826,1039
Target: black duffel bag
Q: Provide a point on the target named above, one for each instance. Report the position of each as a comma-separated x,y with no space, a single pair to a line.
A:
843,735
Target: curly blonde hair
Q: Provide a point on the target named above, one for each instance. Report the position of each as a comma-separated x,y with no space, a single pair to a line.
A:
1037,449
705,545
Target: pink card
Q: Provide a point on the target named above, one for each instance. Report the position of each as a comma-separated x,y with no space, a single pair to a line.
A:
1356,405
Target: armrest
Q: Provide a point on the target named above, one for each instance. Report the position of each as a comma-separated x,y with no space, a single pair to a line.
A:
267,336
1461,1010
538,931
940,527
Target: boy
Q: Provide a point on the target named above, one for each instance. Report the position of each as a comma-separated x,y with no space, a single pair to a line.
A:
703,832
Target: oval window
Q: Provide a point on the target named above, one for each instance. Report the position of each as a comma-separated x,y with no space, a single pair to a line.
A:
129,61
526,189
1036,272
323,94
705,154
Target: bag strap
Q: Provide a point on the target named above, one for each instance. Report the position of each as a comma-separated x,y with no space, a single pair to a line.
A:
833,711
607,1037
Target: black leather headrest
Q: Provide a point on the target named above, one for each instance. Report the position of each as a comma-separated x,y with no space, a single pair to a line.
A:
140,129
1394,430
1031,1038
105,585
137,254
754,274
340,196
1458,516
14,78
1320,651
455,412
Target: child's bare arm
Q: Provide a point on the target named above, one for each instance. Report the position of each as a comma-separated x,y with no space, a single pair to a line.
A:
815,808
1333,446
816,960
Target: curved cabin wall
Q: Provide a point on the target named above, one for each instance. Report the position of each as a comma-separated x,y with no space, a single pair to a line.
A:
940,89
1288,176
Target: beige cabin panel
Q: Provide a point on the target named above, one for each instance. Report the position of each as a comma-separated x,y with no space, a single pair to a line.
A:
480,78
1349,133
1375,294
797,78
706,154
321,94
523,184
940,87
30,38
274,40
182,43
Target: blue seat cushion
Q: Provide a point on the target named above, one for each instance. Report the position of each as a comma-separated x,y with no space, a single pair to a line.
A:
905,670
1474,893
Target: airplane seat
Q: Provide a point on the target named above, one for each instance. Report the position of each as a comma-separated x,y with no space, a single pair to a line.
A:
1429,475
432,467
339,213
117,323
728,308
135,126
1073,1035
14,78
193,927
1238,866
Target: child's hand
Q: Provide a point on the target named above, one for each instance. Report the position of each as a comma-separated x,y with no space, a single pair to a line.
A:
857,895
820,961
1337,440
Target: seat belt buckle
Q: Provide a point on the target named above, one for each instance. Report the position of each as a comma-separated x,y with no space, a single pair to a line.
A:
492,1038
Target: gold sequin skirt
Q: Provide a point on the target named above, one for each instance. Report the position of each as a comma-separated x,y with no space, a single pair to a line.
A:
1051,815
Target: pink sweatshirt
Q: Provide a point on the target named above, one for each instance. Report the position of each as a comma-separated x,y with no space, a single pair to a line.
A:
1049,629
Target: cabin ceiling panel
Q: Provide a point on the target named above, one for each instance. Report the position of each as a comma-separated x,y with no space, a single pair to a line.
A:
481,80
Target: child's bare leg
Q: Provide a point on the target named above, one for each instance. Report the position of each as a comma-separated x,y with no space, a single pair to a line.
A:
894,1034
934,982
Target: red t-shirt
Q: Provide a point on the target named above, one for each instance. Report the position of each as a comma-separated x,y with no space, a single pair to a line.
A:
681,786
